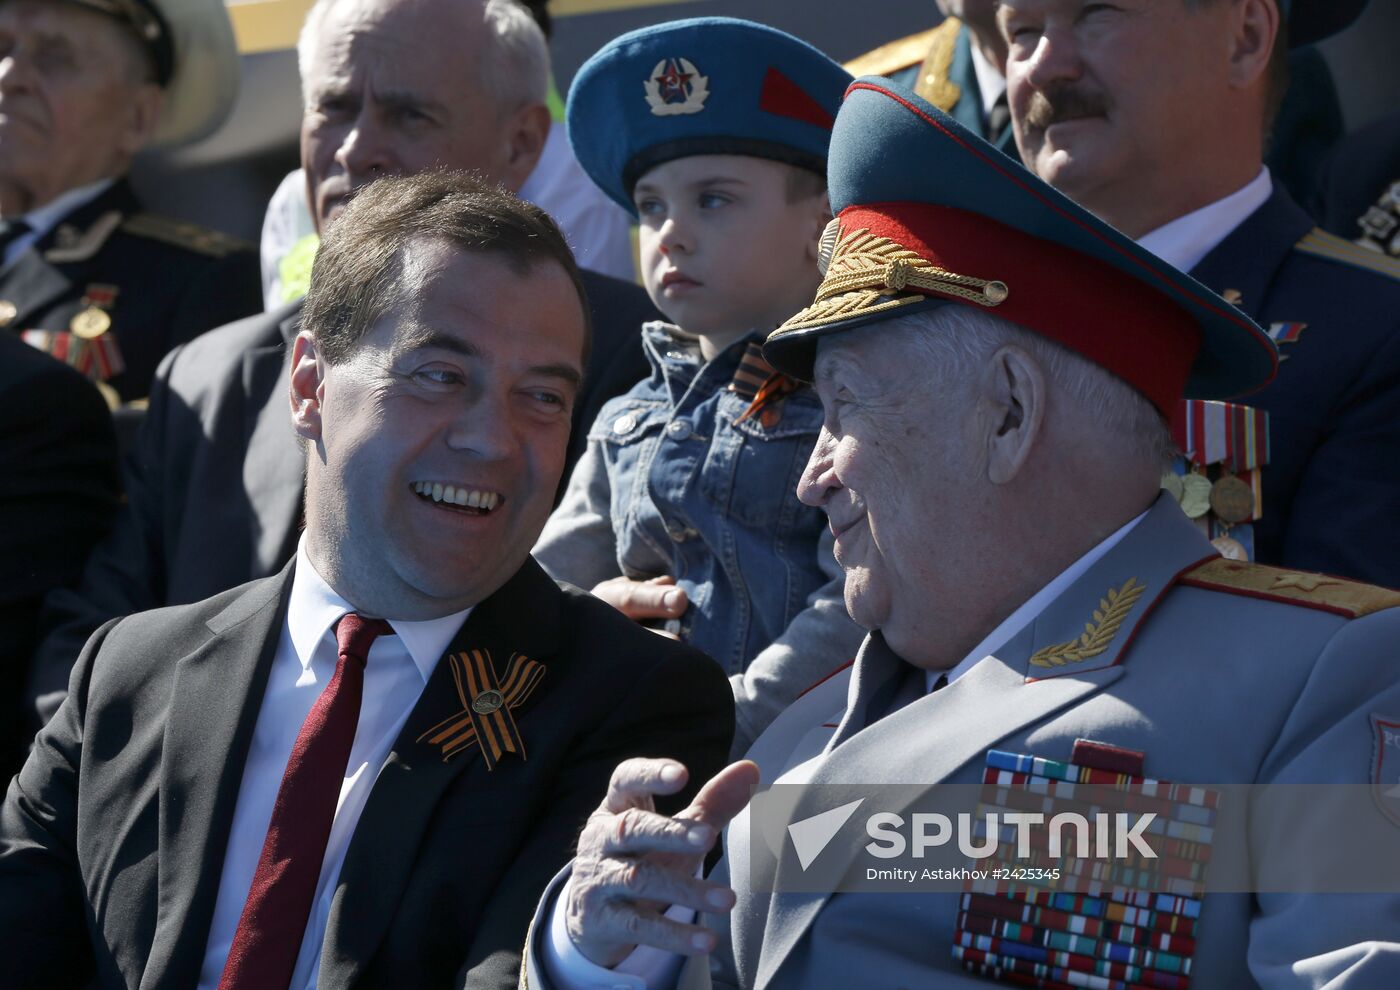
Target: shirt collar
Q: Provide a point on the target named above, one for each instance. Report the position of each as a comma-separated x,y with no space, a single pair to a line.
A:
315,608
1183,242
990,83
44,218
1036,604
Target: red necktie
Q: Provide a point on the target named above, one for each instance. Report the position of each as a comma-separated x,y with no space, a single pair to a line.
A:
270,930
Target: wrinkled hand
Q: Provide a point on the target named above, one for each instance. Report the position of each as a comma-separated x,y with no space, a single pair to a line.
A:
633,864
658,598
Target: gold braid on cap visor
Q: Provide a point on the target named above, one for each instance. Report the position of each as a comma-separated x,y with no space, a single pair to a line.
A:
860,270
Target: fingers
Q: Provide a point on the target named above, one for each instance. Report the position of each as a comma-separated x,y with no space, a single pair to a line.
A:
620,905
646,884
632,863
724,795
658,598
635,832
635,781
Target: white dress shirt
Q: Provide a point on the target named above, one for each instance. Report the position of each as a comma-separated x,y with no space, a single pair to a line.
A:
45,218
396,670
648,968
1183,242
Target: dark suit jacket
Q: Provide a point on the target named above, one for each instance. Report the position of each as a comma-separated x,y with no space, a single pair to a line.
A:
58,494
174,281
1332,488
112,837
214,486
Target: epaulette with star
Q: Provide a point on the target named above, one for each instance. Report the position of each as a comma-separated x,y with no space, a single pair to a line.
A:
893,56
182,233
1321,244
1351,599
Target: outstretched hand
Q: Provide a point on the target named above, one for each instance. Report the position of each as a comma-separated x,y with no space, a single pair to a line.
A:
633,864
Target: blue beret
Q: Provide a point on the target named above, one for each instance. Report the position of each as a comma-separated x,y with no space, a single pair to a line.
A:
704,86
928,214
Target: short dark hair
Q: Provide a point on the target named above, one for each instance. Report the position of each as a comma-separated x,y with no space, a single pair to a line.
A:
356,277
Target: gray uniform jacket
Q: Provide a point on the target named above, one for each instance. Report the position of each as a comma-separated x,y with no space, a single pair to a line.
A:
1221,673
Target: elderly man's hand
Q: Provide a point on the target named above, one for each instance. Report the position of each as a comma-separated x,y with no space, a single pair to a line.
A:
633,864
642,601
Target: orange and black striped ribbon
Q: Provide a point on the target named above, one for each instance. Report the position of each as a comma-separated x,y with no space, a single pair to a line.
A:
495,731
755,379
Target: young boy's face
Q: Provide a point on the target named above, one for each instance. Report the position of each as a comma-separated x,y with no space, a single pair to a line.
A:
728,242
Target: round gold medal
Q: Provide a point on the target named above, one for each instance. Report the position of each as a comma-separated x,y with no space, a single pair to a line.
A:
487,702
1171,484
91,323
1195,495
1232,499
1230,548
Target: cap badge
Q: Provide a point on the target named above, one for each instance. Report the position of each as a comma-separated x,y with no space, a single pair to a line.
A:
676,87
865,273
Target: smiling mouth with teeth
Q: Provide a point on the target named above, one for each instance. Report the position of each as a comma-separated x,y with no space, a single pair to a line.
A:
473,501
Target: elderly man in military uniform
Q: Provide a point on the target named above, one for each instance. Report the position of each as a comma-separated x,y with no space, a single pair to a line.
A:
88,276
996,368
1179,168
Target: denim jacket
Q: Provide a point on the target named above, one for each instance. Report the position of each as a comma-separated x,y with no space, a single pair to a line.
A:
672,482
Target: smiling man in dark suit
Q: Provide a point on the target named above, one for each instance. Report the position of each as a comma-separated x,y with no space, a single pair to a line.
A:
321,777
391,87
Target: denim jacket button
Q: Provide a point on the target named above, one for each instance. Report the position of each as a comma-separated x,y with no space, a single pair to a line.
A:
624,424
678,429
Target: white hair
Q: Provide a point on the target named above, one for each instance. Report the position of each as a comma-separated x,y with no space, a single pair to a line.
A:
515,63
958,341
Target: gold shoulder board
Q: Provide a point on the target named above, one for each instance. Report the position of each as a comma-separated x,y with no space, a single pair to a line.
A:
181,233
1351,599
1324,245
894,55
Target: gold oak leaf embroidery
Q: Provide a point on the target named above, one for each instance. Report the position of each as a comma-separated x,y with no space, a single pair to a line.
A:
1098,634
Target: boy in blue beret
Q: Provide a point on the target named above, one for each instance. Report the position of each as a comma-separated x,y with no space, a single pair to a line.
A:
682,512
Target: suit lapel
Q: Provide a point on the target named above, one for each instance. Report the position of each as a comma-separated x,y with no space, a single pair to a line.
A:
1047,667
523,617
35,281
1249,257
273,468
215,699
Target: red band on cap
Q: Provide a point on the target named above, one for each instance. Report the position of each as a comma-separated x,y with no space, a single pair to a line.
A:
784,98
1118,322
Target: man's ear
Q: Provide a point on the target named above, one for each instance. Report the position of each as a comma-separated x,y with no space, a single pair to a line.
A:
1015,394
308,385
525,134
1254,28
143,111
